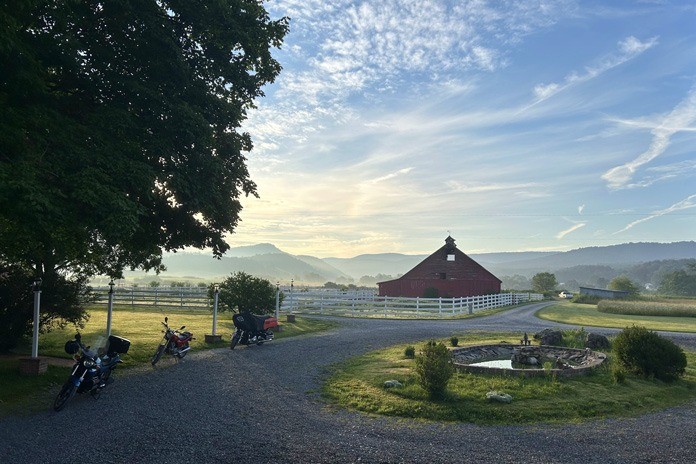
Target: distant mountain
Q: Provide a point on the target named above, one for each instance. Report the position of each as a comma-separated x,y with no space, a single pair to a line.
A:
264,261
583,264
384,263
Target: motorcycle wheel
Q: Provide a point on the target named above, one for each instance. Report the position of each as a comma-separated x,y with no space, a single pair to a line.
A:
235,340
158,354
64,395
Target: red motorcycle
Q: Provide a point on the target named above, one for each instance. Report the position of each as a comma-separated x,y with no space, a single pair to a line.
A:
174,342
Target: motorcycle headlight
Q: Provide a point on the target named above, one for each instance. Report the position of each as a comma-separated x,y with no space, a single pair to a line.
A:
89,363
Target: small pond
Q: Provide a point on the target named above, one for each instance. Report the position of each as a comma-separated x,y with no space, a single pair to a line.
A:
497,359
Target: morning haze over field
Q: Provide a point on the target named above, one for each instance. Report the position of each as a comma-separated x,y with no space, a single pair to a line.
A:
518,126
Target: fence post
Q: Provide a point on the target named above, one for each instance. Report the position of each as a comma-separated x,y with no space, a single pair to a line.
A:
132,296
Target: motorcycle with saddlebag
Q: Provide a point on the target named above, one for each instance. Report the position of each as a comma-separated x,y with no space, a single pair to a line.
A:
252,329
92,371
174,342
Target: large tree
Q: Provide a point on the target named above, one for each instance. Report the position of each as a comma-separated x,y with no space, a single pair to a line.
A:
544,282
119,129
624,284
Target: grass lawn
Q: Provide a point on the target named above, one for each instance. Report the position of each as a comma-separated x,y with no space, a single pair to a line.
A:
358,384
588,316
144,330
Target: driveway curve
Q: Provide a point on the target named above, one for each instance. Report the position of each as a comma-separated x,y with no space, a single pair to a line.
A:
260,404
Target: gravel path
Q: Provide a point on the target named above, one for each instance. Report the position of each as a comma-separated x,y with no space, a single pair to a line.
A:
260,404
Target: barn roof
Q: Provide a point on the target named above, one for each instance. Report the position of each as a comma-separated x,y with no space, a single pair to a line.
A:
450,261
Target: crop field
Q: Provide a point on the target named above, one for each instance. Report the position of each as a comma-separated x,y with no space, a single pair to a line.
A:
669,308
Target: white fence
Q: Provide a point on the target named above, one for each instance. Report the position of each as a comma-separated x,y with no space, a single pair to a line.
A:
367,304
321,301
170,297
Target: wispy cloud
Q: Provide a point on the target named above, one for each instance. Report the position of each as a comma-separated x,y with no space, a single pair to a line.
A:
687,203
628,49
678,120
573,228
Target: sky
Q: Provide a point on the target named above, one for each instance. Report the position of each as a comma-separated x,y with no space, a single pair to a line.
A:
509,125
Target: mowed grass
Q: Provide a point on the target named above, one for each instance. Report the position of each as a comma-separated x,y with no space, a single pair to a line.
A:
144,330
359,384
588,316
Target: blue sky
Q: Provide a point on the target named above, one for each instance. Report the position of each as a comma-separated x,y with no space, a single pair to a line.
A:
512,126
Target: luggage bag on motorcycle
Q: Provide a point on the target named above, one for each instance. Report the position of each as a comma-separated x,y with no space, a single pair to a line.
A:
118,345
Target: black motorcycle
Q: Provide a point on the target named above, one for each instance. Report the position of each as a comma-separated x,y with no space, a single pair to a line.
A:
92,371
252,329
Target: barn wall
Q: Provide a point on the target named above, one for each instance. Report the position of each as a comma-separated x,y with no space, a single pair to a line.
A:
413,288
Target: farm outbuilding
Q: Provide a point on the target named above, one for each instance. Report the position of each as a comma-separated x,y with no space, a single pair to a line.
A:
447,273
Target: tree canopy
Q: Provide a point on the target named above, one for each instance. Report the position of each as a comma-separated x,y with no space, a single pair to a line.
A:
544,282
624,284
681,282
245,293
120,127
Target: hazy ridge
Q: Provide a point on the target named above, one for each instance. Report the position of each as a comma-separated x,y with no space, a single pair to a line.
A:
643,260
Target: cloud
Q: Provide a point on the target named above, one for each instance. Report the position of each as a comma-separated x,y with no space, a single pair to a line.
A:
629,48
344,50
480,187
678,120
391,175
688,202
573,228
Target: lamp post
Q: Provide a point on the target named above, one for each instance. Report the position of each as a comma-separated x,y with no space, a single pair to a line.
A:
214,337
277,315
215,307
292,302
37,305
111,307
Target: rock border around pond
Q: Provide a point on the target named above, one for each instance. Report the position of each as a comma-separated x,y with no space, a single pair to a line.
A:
584,360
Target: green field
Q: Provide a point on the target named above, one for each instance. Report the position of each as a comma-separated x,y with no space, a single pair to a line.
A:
358,384
588,316
144,330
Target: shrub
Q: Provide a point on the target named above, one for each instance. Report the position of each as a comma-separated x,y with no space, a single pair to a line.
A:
618,374
410,352
434,368
454,341
574,338
646,353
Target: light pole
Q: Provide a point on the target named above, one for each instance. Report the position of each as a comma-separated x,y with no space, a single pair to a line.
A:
277,300
37,306
291,297
215,307
111,307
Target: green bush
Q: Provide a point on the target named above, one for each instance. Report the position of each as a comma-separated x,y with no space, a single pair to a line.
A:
618,374
410,352
454,341
434,368
643,352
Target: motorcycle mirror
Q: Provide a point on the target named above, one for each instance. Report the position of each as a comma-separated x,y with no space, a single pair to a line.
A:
182,327
166,319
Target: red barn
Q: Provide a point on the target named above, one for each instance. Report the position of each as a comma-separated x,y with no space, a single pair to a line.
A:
448,273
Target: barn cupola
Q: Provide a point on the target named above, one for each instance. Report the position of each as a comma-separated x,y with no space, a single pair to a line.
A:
449,244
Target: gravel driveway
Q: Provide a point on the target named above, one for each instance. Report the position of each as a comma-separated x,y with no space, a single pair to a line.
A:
260,404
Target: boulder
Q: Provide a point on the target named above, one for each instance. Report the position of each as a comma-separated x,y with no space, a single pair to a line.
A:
392,384
597,342
498,396
549,337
